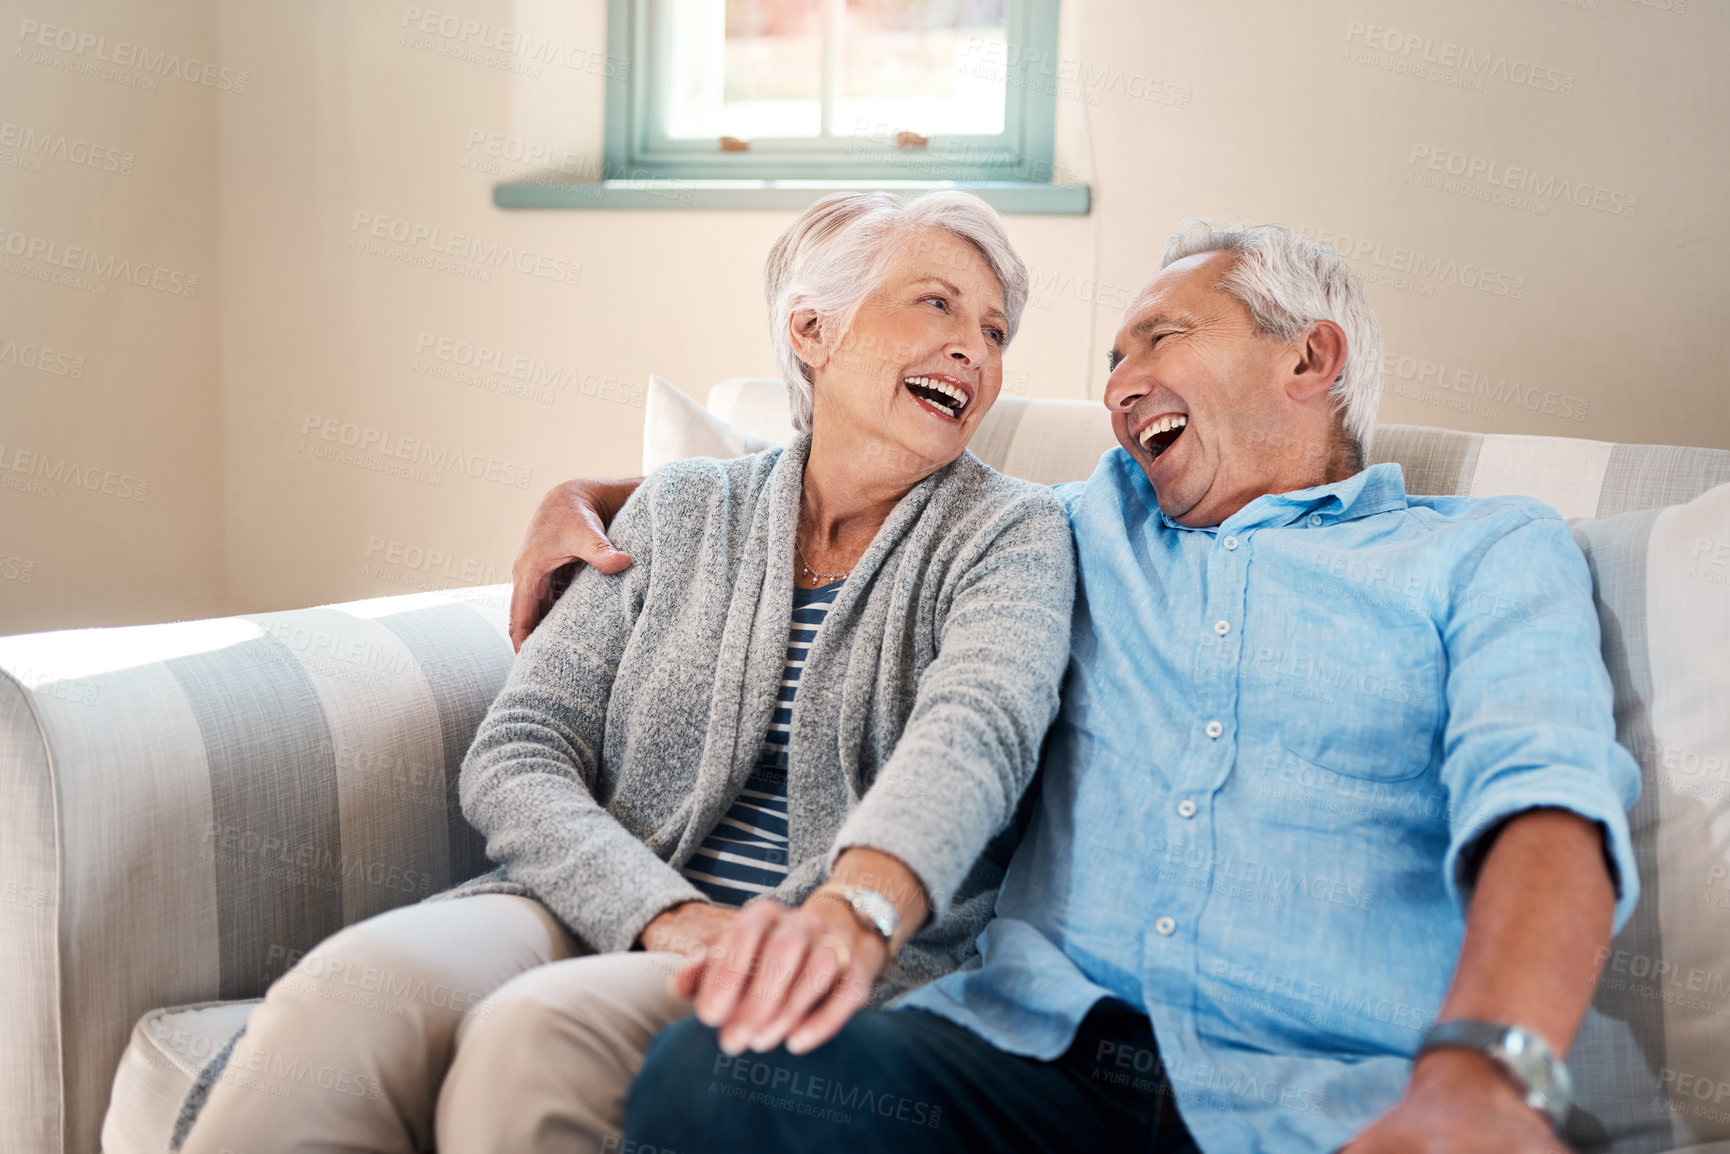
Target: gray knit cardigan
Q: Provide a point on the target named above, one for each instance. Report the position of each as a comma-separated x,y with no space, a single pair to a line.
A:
634,715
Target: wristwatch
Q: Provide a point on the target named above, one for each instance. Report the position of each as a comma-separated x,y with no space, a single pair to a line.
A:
1525,1058
874,911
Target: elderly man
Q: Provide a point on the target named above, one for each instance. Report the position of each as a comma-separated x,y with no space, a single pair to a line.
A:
1332,821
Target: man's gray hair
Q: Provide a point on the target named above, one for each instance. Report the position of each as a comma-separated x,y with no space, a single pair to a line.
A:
1288,281
837,252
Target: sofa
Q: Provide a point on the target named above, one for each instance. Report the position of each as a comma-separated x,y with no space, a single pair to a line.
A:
186,808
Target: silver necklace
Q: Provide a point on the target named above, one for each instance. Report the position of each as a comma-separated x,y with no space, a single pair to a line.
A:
812,574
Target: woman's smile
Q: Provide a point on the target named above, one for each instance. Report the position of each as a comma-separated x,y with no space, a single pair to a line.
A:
939,394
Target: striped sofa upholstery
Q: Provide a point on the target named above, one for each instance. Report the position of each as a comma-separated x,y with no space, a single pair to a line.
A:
184,808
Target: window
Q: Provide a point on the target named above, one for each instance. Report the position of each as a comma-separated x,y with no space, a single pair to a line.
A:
832,90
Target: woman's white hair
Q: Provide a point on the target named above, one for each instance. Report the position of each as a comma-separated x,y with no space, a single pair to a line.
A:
837,252
1288,281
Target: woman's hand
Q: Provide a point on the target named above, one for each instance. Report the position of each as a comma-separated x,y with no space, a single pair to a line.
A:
780,974
796,975
688,928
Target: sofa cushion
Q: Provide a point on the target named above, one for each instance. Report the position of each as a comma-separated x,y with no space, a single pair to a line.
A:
1651,1060
168,1048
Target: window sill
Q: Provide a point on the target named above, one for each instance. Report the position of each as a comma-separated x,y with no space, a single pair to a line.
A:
1021,197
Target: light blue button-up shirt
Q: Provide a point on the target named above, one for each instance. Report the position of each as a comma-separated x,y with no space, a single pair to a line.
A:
1281,740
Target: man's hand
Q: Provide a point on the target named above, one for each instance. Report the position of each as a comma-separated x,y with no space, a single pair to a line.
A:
570,524
688,928
1458,1102
781,974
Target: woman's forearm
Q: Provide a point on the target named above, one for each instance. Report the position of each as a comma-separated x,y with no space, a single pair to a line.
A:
519,787
888,875
972,739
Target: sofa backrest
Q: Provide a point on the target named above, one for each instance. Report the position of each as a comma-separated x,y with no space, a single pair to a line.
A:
1049,441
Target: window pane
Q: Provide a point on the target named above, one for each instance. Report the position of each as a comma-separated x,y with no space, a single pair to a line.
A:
745,68
925,66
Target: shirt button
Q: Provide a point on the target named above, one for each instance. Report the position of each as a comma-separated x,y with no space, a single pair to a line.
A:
1315,520
1214,729
1165,927
1222,627
1230,542
1186,808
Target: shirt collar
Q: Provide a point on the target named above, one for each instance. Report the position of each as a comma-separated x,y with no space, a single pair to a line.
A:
1376,489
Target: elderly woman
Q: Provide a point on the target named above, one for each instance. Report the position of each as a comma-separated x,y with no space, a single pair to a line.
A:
780,753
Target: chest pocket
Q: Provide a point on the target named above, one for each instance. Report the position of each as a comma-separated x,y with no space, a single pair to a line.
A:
1356,691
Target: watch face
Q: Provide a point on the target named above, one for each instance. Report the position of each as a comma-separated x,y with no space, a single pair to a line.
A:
1540,1075
875,909
1529,1060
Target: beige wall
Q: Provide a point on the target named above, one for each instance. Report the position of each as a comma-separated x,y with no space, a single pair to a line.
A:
1549,316
110,398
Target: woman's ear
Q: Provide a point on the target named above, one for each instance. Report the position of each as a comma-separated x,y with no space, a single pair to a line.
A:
805,329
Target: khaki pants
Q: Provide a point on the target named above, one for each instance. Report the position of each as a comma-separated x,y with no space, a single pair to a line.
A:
466,1023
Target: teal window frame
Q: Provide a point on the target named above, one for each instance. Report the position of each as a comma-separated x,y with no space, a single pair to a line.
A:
1023,152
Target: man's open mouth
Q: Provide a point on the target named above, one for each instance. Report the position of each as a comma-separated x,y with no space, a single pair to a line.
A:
1160,434
940,395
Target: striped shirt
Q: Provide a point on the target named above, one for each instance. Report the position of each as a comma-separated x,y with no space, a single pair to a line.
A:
746,853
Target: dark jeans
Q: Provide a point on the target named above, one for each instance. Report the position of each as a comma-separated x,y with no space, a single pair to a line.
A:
908,1082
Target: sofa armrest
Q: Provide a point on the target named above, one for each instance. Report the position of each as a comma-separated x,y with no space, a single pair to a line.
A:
186,808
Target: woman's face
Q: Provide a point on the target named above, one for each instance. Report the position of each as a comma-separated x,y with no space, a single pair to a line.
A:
923,361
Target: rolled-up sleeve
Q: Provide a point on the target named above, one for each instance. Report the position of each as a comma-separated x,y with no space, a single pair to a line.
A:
1530,719
972,740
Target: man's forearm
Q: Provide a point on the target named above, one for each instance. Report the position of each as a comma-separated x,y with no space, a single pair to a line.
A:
1541,913
1540,916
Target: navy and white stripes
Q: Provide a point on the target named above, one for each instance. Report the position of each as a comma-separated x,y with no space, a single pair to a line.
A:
746,853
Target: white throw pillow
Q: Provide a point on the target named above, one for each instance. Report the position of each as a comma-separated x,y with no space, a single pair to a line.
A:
676,427
756,406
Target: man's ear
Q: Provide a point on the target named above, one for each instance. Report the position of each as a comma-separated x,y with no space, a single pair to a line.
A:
1321,358
805,329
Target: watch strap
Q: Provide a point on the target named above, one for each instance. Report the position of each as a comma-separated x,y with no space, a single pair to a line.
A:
1524,1058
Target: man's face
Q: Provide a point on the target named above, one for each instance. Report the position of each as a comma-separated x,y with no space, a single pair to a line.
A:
1197,397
